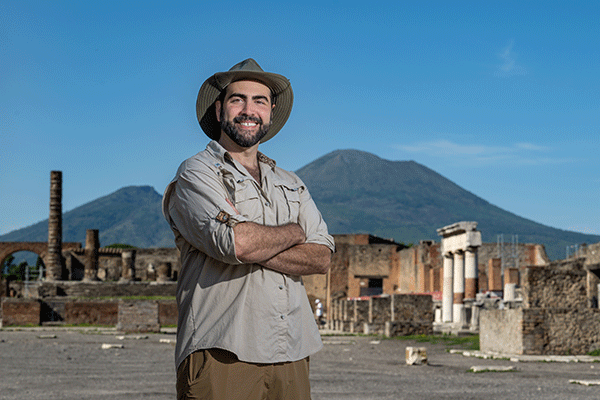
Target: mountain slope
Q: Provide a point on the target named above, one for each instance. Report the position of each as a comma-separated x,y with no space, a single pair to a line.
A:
357,192
130,215
360,192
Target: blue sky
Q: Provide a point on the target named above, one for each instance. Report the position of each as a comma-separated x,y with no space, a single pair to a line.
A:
502,98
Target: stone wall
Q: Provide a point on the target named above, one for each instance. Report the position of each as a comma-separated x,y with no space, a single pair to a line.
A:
132,315
396,315
148,260
105,289
557,317
561,285
138,316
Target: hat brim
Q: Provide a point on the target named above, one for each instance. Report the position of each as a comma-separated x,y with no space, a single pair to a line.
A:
212,87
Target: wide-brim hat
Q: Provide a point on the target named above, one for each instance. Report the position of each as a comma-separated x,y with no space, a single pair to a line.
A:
245,70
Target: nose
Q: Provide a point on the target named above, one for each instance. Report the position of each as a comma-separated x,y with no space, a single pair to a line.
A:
248,109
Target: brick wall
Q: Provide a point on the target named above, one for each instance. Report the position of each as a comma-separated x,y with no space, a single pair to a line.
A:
167,312
91,312
137,315
20,312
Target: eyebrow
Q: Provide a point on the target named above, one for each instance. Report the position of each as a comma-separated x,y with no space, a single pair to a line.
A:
243,96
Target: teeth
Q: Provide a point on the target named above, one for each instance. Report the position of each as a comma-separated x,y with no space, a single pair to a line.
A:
248,123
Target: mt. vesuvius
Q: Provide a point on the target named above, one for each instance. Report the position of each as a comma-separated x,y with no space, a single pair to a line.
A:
357,192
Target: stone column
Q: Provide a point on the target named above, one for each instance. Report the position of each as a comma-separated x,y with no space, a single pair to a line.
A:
459,287
447,289
54,259
471,283
127,266
92,244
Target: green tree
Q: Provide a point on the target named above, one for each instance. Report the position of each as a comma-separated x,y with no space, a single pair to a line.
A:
18,272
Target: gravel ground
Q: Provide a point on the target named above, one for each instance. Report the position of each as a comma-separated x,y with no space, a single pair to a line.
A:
71,364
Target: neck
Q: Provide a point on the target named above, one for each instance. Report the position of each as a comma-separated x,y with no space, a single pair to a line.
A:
247,156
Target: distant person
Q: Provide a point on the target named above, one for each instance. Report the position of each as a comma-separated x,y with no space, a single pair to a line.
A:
247,231
319,311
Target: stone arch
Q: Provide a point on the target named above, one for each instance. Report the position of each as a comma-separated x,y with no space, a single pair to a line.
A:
8,248
39,248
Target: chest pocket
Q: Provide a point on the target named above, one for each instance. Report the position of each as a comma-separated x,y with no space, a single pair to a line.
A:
290,208
243,194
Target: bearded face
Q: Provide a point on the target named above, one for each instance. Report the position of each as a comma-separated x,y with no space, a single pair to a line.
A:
244,112
244,139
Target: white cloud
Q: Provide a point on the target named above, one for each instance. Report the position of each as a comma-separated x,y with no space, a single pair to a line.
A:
518,153
509,66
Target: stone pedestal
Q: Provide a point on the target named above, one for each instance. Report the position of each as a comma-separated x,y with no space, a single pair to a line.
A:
127,266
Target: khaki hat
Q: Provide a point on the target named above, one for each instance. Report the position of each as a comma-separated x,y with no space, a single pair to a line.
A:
247,69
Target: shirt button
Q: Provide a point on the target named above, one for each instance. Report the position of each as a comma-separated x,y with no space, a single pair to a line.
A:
280,287
268,204
282,316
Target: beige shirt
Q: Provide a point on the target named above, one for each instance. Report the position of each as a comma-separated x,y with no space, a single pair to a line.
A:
261,315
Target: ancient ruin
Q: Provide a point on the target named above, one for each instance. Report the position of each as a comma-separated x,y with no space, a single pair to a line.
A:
520,304
557,314
459,250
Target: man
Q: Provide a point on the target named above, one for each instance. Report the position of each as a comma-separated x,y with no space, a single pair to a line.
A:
247,231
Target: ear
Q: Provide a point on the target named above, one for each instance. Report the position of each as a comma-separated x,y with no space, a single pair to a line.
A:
218,110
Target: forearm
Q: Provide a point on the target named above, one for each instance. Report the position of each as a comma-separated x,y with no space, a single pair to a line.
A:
302,259
256,243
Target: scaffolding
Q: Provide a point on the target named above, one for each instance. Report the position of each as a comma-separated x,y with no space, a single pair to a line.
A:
508,253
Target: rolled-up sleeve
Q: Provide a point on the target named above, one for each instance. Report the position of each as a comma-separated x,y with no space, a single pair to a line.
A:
311,220
195,204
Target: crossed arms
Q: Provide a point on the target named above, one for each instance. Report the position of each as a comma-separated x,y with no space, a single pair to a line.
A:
280,248
190,206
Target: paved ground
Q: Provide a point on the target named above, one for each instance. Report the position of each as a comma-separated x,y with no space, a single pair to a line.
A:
71,364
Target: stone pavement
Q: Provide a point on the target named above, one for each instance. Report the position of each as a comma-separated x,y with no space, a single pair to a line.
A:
69,364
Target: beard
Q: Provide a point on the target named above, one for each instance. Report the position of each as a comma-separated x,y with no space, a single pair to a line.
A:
234,134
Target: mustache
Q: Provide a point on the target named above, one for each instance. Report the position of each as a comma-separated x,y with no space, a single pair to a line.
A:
247,118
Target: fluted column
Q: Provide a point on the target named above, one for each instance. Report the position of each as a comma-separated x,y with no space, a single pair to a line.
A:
54,258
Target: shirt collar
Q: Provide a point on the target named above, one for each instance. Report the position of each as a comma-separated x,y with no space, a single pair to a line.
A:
220,152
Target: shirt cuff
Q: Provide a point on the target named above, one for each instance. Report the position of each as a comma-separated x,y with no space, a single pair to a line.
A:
230,220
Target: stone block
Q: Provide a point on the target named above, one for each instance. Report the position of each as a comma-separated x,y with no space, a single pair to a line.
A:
138,316
416,355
